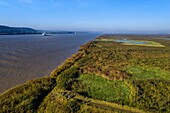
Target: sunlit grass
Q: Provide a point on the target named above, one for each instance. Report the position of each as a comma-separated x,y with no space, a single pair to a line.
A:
139,72
101,88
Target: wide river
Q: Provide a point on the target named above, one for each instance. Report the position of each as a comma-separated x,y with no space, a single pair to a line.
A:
25,57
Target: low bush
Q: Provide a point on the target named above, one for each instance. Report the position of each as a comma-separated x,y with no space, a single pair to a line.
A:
67,77
26,98
152,95
72,106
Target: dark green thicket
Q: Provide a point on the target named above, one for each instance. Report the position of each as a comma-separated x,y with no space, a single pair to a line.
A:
152,95
26,98
71,106
67,78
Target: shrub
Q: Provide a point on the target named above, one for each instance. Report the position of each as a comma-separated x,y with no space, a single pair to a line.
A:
72,106
152,95
27,97
67,77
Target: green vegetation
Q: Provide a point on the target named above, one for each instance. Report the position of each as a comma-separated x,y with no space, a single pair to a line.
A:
104,76
26,98
152,95
108,90
67,77
139,72
61,101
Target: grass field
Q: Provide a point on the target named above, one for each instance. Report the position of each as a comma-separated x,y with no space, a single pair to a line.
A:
103,89
139,72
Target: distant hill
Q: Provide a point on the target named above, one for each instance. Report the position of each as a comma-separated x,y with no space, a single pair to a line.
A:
16,30
56,32
6,30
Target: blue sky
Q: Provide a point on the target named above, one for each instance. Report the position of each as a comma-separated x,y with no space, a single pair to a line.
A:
117,16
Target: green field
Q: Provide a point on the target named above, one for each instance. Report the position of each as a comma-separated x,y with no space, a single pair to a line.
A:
103,89
133,42
139,72
103,76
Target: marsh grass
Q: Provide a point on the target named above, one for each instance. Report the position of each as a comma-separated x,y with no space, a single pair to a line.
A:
108,90
139,72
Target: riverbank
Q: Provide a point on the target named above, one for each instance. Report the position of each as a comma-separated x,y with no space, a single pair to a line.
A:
26,57
102,76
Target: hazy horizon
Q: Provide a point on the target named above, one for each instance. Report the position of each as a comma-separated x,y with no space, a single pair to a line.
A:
110,16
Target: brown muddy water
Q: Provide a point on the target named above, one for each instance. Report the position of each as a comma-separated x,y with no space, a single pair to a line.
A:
25,57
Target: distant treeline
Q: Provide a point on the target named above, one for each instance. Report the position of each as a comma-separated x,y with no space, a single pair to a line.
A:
6,30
